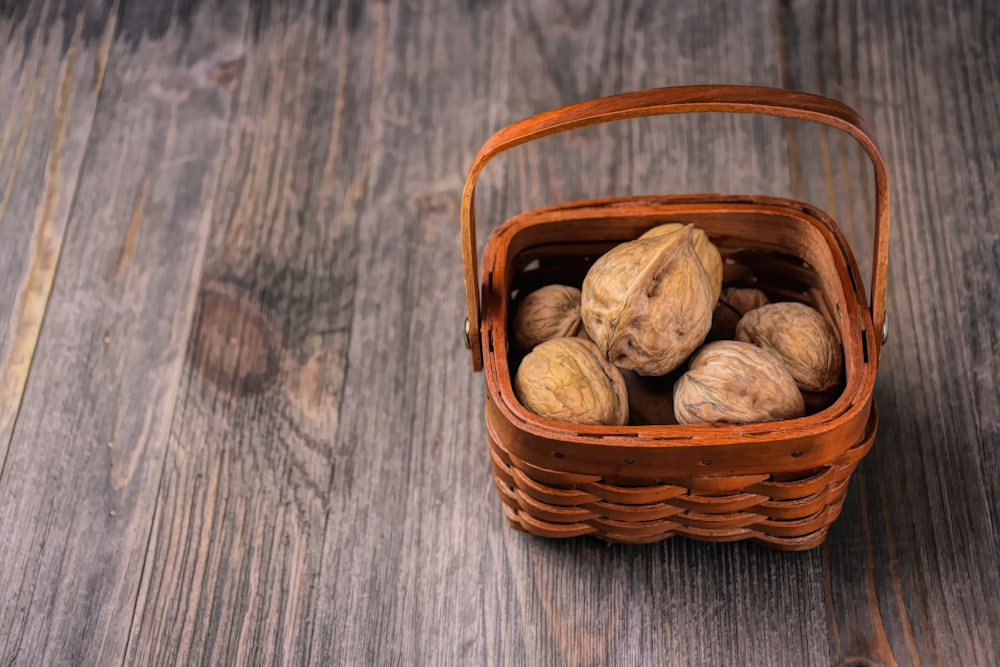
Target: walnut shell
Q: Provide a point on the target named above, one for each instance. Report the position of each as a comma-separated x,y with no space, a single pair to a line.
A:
647,303
799,336
568,379
739,383
733,303
549,312
743,299
709,255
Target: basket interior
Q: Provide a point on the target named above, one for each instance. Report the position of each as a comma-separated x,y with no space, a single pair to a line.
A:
789,253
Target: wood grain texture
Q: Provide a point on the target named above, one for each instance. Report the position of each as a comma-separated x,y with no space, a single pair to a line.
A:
258,304
86,455
404,442
237,545
50,88
934,451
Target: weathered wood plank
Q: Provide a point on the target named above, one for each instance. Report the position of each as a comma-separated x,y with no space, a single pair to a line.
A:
923,77
245,500
80,482
50,87
404,553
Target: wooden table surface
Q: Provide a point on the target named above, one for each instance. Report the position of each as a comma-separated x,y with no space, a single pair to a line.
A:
237,421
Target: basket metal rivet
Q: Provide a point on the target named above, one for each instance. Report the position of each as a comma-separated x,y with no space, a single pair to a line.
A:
468,341
796,454
558,455
630,461
706,462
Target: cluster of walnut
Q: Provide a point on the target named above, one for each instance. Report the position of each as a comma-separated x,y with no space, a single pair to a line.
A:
646,308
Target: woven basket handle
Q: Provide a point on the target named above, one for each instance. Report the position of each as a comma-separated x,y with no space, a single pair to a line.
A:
683,99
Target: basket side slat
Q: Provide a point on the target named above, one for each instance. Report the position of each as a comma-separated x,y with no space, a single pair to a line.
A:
789,515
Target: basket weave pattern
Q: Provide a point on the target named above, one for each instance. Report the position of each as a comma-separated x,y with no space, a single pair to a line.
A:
791,515
778,483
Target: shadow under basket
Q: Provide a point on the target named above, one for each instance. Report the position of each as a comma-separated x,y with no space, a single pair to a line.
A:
778,483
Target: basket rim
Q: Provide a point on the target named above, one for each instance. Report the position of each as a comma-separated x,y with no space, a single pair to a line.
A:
848,412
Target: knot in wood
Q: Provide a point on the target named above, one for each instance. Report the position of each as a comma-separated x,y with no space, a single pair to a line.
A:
232,348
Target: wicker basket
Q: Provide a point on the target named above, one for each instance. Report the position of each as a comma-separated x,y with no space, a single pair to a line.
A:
779,483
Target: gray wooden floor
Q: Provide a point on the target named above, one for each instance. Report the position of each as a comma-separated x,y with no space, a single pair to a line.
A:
238,424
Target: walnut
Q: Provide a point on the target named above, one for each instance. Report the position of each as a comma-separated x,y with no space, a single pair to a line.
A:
799,336
568,379
647,303
730,381
549,312
733,303
743,299
707,252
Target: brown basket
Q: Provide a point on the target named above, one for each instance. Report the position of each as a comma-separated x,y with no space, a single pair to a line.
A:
779,483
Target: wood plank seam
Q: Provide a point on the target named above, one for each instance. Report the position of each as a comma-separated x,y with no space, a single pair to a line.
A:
23,347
